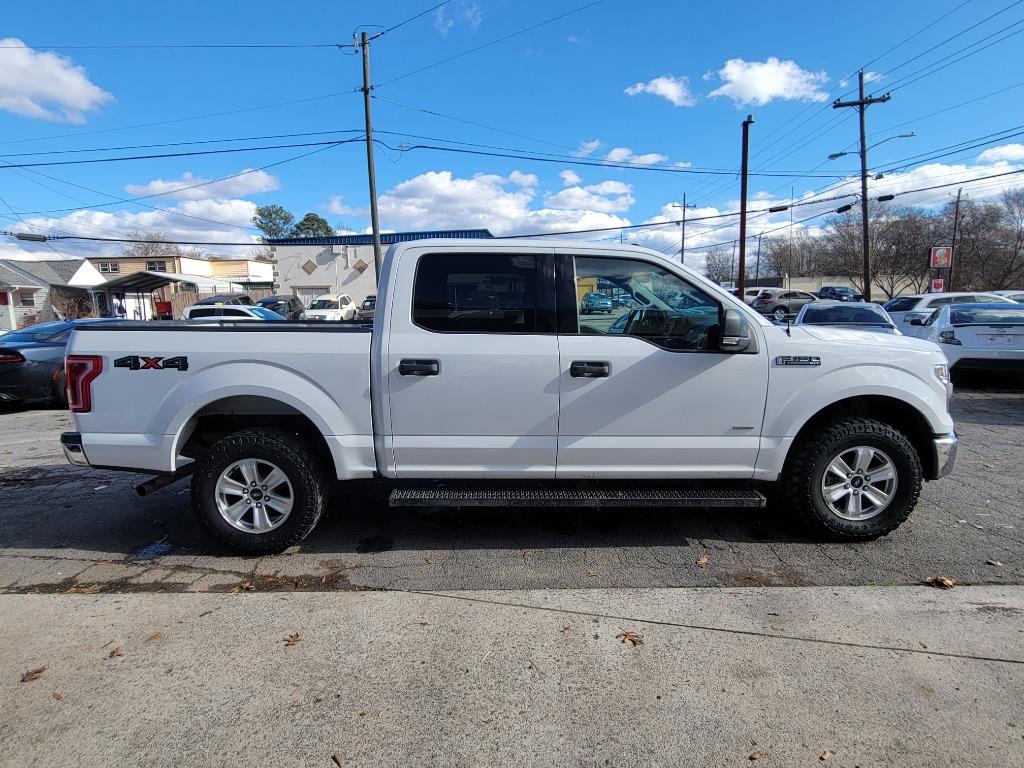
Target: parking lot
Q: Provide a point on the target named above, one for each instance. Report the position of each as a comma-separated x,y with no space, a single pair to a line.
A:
69,529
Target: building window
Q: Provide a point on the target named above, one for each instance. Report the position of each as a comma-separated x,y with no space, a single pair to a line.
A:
109,266
27,299
156,266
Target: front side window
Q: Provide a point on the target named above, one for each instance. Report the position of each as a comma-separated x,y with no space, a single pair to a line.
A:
478,293
649,303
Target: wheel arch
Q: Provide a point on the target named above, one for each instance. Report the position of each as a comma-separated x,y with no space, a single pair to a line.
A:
893,411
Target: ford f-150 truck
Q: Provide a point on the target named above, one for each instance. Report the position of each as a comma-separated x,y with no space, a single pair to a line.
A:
483,380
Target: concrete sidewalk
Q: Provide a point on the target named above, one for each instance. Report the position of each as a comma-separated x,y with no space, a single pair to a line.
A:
875,676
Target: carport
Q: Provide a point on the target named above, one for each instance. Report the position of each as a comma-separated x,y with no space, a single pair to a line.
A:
131,296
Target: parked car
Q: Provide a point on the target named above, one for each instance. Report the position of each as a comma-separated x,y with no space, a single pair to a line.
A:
227,298
32,362
331,306
985,337
839,293
518,399
843,314
905,310
749,294
781,303
596,302
229,313
365,311
289,307
1012,295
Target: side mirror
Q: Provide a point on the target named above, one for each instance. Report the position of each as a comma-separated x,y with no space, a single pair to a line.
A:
735,332
916,321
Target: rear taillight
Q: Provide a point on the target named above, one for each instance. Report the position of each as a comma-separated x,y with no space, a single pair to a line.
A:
80,371
10,357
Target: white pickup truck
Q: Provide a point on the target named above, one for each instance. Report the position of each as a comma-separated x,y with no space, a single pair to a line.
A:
481,382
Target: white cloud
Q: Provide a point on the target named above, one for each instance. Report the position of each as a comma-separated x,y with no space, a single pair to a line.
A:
45,85
251,182
588,148
606,197
523,179
437,199
336,206
675,90
448,15
1005,153
760,82
570,178
627,155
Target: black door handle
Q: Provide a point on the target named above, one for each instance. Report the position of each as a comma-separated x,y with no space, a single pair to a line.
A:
419,367
589,370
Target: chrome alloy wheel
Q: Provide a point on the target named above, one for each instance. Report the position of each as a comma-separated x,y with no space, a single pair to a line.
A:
254,496
859,483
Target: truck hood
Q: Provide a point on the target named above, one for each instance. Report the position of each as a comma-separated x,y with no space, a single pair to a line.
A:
855,336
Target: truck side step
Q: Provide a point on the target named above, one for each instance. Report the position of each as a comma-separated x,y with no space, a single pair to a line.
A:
576,497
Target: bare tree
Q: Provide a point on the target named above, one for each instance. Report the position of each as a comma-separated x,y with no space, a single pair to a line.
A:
718,264
152,246
70,304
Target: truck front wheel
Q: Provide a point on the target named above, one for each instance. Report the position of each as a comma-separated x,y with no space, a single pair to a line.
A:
855,479
260,491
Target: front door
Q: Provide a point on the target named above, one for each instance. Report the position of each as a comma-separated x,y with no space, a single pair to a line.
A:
472,370
645,391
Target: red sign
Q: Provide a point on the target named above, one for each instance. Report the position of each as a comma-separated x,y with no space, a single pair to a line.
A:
938,285
942,257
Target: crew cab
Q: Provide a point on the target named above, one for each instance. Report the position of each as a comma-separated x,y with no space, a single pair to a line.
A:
481,381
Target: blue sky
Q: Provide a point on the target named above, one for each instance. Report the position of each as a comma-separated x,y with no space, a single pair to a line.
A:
656,84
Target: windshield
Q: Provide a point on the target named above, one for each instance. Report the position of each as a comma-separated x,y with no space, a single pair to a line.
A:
848,315
324,304
368,303
265,313
987,316
41,332
902,304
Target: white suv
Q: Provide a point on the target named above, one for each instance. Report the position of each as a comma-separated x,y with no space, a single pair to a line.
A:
910,312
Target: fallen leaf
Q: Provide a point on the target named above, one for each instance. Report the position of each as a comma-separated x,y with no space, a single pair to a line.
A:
567,627
703,560
33,674
825,756
992,562
116,652
777,627
57,696
337,759
291,640
591,573
427,560
154,637
940,582
756,755
362,713
629,636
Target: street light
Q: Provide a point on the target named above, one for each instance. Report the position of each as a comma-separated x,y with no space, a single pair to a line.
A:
837,155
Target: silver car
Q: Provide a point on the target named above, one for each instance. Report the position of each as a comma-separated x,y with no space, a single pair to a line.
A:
859,316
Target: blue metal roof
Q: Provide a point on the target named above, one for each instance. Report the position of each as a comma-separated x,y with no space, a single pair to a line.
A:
387,238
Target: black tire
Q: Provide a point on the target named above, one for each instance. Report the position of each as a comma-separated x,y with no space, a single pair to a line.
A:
304,468
60,392
801,479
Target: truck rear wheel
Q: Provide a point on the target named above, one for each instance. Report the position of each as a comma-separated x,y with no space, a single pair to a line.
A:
854,479
260,491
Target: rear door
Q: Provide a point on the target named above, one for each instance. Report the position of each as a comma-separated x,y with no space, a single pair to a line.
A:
472,365
646,392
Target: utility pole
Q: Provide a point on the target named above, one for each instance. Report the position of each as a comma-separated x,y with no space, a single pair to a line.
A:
741,277
956,225
374,222
862,104
682,229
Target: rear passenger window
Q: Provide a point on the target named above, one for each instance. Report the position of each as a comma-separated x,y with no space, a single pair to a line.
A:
211,312
481,293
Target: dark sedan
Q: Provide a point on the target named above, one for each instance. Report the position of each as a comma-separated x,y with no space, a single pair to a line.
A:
288,307
32,362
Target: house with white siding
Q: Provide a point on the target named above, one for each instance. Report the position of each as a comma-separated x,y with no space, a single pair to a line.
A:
36,291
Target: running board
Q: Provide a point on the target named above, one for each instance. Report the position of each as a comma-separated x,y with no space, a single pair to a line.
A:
576,497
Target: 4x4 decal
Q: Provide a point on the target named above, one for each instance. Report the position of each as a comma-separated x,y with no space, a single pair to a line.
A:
143,363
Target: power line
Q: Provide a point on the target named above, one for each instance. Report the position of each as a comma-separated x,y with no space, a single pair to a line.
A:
152,46
489,44
410,19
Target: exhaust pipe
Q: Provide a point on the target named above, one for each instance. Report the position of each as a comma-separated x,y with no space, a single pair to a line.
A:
162,481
